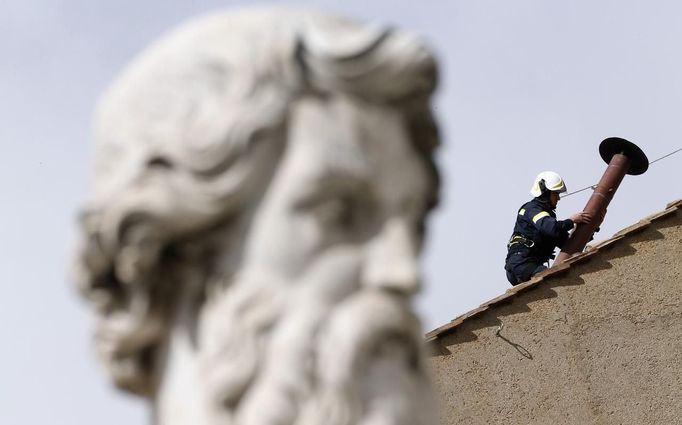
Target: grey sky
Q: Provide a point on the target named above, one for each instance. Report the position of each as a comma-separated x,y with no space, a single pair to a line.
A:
526,86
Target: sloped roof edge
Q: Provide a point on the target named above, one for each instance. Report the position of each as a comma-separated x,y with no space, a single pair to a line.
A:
556,271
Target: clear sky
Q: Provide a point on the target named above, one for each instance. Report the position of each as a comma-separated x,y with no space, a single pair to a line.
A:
526,86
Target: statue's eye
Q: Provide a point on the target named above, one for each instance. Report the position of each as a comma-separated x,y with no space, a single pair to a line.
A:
338,212
159,162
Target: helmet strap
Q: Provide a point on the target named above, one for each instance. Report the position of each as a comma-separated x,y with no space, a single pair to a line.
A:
543,187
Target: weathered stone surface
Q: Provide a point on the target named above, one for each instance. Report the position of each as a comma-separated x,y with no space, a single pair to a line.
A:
251,243
600,344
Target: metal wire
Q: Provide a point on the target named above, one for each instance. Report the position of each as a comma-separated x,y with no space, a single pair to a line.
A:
578,191
592,186
665,156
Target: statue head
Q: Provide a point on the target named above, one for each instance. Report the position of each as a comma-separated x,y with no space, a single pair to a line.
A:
252,172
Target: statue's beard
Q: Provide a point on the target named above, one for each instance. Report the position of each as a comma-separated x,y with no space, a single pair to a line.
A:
133,286
305,345
255,331
257,339
132,321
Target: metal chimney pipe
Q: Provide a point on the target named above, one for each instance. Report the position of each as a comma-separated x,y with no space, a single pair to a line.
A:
623,157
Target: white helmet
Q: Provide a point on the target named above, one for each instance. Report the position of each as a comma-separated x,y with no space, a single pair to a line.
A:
547,180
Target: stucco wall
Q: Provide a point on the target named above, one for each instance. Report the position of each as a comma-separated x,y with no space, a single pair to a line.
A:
599,344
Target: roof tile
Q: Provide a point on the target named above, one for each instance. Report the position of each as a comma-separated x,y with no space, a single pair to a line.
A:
637,227
579,257
676,204
555,270
604,244
474,312
668,212
501,299
525,285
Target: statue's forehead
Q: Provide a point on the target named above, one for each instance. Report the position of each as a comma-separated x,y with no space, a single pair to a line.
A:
384,162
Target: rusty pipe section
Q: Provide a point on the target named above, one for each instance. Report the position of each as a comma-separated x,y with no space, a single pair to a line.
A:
596,206
623,158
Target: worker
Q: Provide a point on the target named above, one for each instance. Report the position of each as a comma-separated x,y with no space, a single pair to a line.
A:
537,231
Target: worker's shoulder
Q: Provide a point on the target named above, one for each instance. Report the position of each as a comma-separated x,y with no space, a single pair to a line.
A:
527,208
535,206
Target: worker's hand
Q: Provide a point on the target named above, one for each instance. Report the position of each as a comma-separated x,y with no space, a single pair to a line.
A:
581,217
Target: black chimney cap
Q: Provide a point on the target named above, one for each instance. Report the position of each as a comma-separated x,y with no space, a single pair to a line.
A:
639,163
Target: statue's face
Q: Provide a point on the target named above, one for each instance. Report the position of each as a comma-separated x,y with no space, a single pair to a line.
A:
349,182
342,214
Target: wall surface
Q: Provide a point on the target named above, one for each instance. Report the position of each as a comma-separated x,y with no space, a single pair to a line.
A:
599,344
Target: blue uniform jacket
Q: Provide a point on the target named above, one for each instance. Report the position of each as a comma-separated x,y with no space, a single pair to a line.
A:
536,221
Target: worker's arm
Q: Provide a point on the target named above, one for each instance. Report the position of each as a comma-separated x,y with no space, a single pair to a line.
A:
581,217
550,226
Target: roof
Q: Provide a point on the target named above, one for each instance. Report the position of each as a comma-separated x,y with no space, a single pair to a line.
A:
556,271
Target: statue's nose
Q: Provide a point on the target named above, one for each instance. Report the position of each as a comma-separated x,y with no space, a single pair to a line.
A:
91,247
392,261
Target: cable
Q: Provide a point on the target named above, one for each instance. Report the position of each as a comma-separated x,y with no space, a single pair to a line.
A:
665,156
592,186
578,191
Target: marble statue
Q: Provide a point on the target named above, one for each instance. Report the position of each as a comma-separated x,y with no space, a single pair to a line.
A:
251,241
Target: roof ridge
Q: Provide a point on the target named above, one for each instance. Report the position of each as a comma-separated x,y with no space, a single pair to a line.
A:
555,271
